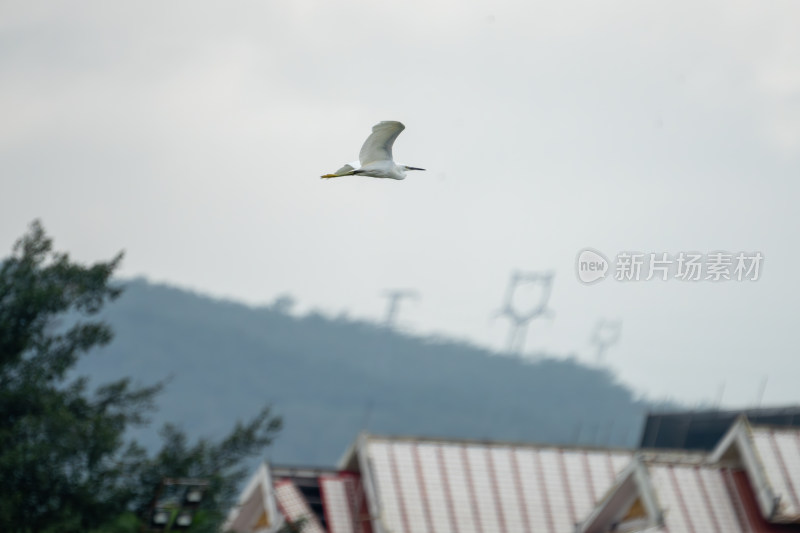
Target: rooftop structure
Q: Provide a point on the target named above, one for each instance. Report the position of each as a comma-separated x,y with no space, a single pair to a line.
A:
702,430
749,482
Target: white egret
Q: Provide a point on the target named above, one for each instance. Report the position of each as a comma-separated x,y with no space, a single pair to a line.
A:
375,159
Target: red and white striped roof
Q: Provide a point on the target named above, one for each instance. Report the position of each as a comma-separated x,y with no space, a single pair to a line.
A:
295,508
771,458
343,501
779,452
697,499
668,498
425,486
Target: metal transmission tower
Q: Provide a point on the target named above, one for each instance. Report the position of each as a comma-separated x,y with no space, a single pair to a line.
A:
393,308
536,304
606,334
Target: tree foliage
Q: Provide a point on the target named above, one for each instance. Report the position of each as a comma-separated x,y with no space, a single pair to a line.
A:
65,463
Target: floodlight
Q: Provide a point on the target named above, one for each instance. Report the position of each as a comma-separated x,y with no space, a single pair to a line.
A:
160,518
193,495
183,520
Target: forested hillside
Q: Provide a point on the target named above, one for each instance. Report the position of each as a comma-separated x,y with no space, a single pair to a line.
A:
332,377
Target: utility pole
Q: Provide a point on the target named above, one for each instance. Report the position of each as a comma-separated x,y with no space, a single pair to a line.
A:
395,296
606,334
521,319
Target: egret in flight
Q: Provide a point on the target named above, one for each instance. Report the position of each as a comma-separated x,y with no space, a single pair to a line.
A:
375,159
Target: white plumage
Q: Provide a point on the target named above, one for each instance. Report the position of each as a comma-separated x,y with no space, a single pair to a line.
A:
375,159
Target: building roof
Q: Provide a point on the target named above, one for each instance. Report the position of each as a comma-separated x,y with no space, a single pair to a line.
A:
771,458
702,430
695,498
779,450
662,498
343,501
256,510
307,481
429,486
295,508
324,499
748,483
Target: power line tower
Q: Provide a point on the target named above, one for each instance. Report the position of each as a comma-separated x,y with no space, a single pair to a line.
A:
395,296
606,334
536,306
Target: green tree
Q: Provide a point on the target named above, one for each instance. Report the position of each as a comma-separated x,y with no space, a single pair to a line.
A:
65,463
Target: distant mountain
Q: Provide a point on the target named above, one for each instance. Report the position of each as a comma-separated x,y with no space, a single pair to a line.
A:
332,377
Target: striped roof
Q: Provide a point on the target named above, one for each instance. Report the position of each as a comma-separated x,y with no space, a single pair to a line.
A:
697,499
779,451
295,508
424,486
342,498
662,498
771,458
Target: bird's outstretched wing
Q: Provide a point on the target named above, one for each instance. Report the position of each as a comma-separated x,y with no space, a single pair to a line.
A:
378,146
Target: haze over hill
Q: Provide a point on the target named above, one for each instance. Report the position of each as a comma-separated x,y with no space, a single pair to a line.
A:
330,377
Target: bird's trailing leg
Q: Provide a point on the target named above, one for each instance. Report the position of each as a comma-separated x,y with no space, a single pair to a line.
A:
347,170
339,174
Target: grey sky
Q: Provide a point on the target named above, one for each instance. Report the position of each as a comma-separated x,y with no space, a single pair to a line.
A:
192,135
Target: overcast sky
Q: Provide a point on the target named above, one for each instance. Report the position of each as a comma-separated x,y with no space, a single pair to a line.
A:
192,134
